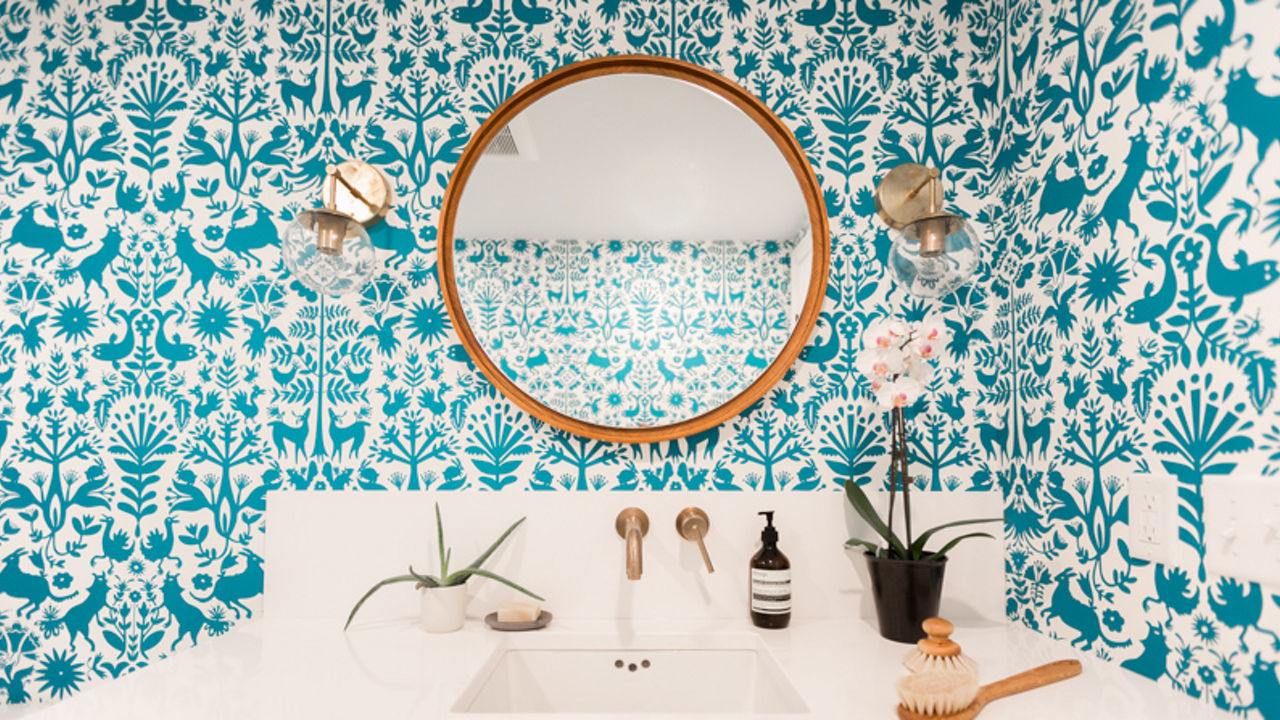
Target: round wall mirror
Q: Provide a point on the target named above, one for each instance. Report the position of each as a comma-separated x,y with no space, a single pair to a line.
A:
633,248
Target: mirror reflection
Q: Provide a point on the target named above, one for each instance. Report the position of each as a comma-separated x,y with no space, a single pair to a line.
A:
632,250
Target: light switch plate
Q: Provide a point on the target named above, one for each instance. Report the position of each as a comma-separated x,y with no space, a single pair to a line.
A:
1242,527
1153,517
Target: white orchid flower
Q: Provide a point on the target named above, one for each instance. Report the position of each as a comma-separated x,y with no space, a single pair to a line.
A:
884,334
900,393
881,364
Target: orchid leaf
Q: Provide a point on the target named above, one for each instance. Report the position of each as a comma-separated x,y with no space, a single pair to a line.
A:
862,505
955,541
922,539
855,542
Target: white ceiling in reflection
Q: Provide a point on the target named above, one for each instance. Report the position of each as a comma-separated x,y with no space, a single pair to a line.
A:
640,157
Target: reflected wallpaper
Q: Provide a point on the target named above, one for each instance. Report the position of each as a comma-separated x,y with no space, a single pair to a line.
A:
628,333
160,372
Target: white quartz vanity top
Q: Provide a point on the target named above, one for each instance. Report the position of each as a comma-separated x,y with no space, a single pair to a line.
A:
391,669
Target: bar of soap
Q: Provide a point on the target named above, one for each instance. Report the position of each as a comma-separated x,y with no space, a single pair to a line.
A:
519,611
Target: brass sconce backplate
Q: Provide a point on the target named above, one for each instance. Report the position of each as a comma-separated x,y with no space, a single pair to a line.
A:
357,189
906,194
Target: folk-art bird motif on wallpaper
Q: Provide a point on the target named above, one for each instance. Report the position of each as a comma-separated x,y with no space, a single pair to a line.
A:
38,399
1234,282
172,349
117,546
159,545
1175,590
1156,299
77,399
261,331
246,402
215,62
172,197
27,328
185,12
114,350
1238,605
1152,82
126,11
129,195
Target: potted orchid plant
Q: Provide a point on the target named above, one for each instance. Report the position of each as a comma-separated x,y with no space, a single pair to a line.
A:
906,576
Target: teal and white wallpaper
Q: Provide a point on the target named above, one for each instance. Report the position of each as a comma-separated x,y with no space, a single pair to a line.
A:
159,372
628,333
1135,220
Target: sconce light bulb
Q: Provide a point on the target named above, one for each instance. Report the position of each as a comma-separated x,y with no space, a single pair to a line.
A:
328,252
330,231
935,255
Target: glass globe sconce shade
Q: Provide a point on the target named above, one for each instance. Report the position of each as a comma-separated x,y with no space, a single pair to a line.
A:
935,255
329,252
328,249
934,252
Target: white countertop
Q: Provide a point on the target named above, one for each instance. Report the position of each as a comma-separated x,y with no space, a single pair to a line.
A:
391,669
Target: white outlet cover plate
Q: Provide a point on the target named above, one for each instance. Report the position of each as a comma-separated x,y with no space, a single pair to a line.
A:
1153,517
1242,527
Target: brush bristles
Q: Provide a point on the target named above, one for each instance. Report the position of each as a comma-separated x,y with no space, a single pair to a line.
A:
917,661
937,693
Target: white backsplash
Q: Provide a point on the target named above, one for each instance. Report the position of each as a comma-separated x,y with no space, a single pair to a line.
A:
324,549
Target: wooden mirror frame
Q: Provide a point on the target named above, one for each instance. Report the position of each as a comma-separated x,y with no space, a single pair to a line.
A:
708,80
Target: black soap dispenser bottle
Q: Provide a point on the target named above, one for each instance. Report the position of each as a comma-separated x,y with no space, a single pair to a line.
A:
770,581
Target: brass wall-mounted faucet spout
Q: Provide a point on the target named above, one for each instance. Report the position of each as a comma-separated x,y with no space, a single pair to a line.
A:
632,525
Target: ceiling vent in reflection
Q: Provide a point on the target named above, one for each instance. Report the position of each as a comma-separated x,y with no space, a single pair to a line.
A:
503,144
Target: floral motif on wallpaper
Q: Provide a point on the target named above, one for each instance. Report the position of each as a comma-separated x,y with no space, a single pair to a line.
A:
628,333
160,373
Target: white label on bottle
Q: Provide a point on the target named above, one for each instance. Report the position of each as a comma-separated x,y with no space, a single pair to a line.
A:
771,591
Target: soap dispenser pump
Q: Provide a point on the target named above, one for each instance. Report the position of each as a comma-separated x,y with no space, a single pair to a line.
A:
770,581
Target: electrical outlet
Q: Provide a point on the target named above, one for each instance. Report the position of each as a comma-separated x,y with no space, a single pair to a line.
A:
1242,527
1153,517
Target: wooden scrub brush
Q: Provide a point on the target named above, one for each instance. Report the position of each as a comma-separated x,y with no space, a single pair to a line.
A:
946,695
938,651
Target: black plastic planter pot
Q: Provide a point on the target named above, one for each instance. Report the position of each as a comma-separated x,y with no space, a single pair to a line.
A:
907,592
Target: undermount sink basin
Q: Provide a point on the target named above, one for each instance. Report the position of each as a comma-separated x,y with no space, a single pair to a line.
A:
733,674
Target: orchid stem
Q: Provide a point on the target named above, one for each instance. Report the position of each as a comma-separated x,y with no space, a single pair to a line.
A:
901,422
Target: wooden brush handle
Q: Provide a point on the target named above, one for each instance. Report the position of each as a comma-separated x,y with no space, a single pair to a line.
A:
1029,680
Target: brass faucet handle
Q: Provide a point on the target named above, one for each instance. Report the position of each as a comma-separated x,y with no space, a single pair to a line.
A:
692,524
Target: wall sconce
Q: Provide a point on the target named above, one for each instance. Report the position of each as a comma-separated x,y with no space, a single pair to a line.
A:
934,252
327,248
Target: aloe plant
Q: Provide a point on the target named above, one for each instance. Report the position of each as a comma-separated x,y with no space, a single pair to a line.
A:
913,549
446,578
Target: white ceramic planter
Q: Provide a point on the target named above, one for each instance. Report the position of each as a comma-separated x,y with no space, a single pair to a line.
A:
444,608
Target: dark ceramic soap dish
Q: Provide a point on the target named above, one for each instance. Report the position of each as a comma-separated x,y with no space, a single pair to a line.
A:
492,621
